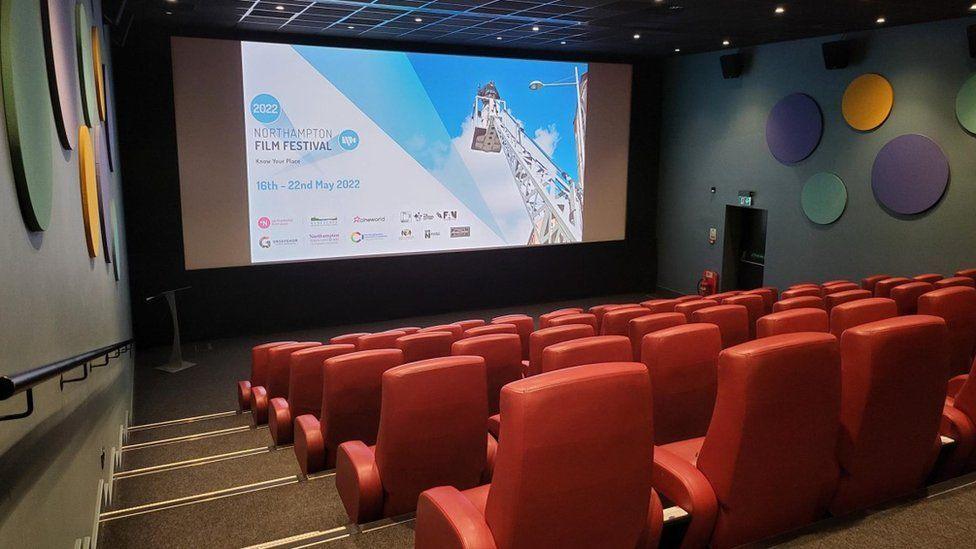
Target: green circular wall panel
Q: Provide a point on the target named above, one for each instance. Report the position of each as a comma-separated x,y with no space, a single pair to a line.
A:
824,198
86,65
27,108
966,105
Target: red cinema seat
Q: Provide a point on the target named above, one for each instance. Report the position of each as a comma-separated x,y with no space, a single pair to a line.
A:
969,273
472,323
492,329
524,326
424,345
545,318
536,498
955,281
276,382
792,321
641,326
768,462
832,283
601,310
688,307
801,292
883,287
432,433
686,298
347,339
586,350
454,329
769,295
304,389
833,300
350,407
503,361
381,340
259,373
840,287
754,305
545,337
906,296
406,329
615,321
579,318
724,295
868,283
931,278
957,306
732,322
959,423
659,305
893,391
862,311
804,285
805,302
682,362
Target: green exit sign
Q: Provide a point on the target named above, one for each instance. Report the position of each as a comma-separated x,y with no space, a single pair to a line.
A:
745,198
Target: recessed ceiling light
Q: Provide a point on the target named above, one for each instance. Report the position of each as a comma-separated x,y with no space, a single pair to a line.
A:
677,50
780,10
726,43
636,37
350,27
169,13
171,1
535,28
881,21
972,8
279,7
498,38
417,20
563,42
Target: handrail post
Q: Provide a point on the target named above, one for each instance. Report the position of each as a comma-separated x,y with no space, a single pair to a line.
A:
25,413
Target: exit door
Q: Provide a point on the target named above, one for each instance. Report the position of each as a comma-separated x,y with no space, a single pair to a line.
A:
745,248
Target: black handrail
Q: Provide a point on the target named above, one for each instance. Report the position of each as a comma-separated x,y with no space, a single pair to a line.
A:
26,380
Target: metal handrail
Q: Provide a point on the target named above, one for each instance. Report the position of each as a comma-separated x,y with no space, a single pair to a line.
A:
26,380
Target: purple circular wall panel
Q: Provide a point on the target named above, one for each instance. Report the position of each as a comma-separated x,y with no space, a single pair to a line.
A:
910,174
794,128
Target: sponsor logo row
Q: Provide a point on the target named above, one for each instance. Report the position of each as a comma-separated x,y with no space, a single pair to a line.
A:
356,237
265,222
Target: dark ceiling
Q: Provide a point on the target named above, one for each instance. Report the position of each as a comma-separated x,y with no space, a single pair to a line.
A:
625,27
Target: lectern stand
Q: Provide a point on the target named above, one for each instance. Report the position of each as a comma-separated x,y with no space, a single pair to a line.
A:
176,362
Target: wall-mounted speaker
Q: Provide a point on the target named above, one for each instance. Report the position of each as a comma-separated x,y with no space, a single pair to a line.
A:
837,55
971,32
732,65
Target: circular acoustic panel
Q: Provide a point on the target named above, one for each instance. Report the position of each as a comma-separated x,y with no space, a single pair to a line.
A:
27,108
824,198
103,180
868,102
62,67
794,128
99,77
86,66
966,105
89,189
910,174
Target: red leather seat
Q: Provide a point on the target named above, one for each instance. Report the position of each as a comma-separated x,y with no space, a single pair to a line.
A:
276,381
862,311
957,306
955,281
769,295
814,291
659,305
259,373
837,282
423,345
454,329
883,287
381,340
406,329
868,283
840,287
503,361
304,389
755,307
472,323
686,298
732,322
833,300
350,407
688,307
970,273
524,325
959,423
601,310
579,318
537,498
792,321
805,302
724,295
906,296
492,329
615,321
432,433
586,350
931,278
804,285
545,318
641,326
893,391
545,337
347,339
768,462
682,362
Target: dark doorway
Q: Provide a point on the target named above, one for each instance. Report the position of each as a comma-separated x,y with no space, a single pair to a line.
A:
745,248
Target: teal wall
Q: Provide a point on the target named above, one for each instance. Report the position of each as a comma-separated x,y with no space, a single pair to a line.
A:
713,134
56,302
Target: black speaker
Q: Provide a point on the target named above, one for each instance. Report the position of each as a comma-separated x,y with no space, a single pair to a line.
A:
971,32
837,55
732,65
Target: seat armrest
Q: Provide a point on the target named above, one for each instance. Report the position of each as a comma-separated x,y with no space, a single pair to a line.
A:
445,518
490,461
309,444
494,424
244,395
279,422
259,405
957,426
955,384
358,482
682,483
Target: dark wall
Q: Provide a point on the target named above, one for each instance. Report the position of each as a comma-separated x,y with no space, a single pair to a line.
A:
259,299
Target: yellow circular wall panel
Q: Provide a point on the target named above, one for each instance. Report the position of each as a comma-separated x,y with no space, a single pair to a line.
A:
89,190
868,101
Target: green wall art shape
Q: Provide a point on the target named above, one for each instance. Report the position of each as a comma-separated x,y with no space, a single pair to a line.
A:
966,105
824,198
86,65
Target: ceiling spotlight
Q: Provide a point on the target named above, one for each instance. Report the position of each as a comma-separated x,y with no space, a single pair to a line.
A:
169,12
498,38
535,28
350,27
677,50
279,7
171,1
417,20
636,37
562,42
972,8
726,43
881,21
780,10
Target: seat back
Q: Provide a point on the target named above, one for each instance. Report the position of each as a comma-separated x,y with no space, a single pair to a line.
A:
432,429
406,329
259,361
792,321
770,452
686,298
893,391
305,377
805,302
965,399
615,321
279,359
803,291
492,329
836,282
769,296
732,322
423,345
471,323
862,311
970,273
586,350
883,287
906,296
931,278
724,295
641,326
659,305
545,318
550,434
578,318
600,310
524,325
682,363
688,307
868,283
381,340
840,287
755,307
954,281
351,391
345,339
540,339
957,306
503,361
454,329
833,300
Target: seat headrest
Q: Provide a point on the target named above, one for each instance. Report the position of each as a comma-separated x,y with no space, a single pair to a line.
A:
803,302
586,350
381,340
500,328
861,311
792,321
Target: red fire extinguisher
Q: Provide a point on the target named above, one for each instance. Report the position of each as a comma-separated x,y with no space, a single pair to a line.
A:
708,285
